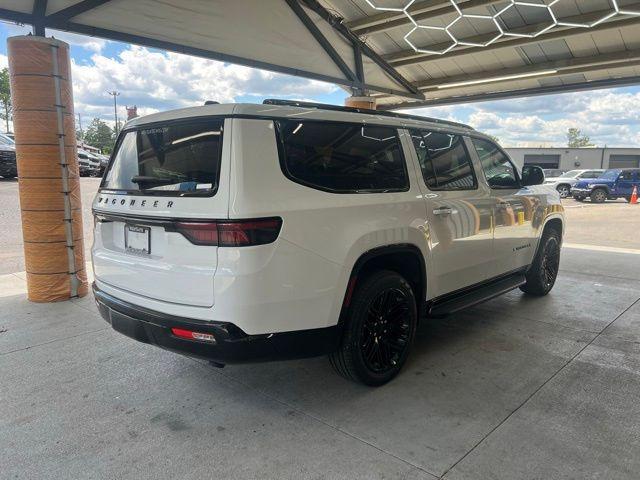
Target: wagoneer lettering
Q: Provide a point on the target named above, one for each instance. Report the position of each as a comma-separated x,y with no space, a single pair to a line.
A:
242,233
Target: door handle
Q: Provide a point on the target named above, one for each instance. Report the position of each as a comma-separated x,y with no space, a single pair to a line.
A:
443,211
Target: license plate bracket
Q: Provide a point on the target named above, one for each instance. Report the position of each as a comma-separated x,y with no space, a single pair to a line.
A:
137,239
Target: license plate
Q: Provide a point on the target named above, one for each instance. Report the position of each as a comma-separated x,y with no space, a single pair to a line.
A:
137,239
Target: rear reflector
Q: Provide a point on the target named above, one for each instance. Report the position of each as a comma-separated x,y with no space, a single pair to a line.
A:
241,233
189,335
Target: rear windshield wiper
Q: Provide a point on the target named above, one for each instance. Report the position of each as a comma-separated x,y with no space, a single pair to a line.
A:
149,180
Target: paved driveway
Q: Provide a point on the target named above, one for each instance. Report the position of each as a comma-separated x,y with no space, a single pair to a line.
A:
517,388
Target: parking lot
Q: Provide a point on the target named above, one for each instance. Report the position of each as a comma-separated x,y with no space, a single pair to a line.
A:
515,388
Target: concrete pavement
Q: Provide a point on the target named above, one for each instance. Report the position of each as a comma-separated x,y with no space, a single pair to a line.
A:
517,388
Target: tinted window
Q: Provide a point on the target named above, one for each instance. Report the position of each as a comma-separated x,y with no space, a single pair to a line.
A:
340,157
497,167
444,160
591,174
627,175
179,158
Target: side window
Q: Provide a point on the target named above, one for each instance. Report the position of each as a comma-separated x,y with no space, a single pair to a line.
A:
589,175
444,161
498,169
626,175
342,157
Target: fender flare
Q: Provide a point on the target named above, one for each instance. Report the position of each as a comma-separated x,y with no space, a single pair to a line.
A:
379,252
547,219
604,186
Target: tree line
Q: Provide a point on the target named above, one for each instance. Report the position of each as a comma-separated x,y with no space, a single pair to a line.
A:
98,134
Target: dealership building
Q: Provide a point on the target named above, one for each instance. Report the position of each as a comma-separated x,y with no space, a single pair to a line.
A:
574,158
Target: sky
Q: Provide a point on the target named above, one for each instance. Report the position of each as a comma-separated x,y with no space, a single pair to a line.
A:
155,80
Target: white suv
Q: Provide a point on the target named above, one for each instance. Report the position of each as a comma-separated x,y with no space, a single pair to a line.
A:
285,230
567,180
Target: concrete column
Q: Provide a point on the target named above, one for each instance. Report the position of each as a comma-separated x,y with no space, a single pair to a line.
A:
361,102
48,178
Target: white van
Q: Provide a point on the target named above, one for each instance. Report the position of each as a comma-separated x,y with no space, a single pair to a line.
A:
285,230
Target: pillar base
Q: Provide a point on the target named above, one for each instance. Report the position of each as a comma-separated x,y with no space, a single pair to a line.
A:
366,102
49,183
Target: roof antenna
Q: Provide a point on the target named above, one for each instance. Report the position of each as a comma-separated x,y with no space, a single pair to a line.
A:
211,102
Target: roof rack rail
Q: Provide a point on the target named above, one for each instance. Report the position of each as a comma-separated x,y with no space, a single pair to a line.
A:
338,108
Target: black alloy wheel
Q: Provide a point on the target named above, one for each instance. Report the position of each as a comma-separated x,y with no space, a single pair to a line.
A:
550,262
385,332
378,331
541,276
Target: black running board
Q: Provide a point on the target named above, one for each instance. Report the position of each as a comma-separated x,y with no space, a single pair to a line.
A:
468,297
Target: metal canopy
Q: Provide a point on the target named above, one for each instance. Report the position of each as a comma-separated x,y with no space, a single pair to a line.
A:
408,53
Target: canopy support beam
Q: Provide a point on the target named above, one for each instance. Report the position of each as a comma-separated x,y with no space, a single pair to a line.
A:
526,92
322,40
39,10
75,10
338,24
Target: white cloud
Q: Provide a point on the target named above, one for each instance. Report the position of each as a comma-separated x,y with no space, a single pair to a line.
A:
609,117
155,81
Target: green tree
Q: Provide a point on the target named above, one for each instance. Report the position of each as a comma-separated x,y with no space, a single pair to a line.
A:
99,134
576,139
5,97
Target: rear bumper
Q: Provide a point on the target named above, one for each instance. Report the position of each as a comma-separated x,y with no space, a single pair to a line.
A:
8,169
232,344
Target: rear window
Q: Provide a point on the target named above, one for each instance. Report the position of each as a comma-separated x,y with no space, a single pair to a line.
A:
444,160
177,159
342,157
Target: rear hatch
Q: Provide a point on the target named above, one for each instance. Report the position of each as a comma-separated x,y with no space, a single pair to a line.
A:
162,179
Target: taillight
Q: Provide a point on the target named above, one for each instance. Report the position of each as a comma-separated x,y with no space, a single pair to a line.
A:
191,335
240,233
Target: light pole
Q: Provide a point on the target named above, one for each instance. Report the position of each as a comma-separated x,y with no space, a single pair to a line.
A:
80,125
115,94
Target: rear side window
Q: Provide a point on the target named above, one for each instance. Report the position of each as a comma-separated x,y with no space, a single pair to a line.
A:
342,157
444,160
177,159
498,169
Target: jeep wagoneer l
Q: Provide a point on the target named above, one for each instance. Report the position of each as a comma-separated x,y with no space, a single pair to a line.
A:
284,230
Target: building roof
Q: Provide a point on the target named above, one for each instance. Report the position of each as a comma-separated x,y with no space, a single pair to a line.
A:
407,52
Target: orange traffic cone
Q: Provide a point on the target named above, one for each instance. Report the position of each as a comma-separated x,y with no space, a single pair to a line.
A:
634,196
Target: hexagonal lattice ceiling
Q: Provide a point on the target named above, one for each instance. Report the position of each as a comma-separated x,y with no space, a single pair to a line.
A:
404,52
525,9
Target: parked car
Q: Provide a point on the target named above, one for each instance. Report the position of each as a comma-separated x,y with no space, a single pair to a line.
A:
241,233
8,165
88,164
553,172
104,161
611,185
564,182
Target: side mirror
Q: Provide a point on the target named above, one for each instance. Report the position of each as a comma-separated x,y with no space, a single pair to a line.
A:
532,175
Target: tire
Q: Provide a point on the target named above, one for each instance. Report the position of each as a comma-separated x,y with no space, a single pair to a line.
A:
564,190
379,330
543,272
599,195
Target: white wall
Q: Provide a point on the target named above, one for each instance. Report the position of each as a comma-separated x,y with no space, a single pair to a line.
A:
586,157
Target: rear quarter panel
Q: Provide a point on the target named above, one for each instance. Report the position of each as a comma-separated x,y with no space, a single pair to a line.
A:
323,234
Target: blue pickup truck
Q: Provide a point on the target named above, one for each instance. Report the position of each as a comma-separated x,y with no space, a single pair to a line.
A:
612,184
